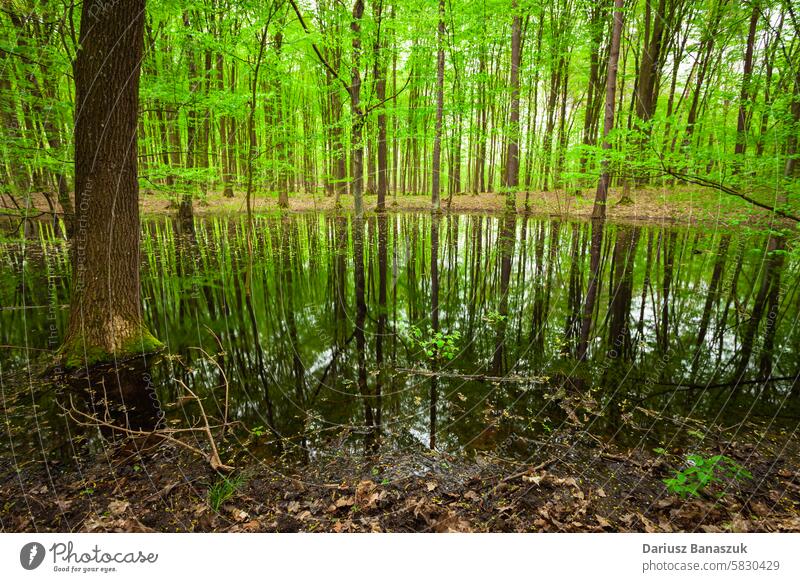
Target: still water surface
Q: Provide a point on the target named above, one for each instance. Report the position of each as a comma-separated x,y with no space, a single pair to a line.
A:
462,333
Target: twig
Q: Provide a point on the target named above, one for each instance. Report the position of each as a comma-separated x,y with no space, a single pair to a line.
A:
214,459
224,379
478,377
166,434
700,181
530,470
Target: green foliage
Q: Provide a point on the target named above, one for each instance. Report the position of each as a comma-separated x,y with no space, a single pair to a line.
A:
223,489
494,318
435,344
703,472
197,83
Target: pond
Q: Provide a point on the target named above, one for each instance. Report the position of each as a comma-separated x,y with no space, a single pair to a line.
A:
463,333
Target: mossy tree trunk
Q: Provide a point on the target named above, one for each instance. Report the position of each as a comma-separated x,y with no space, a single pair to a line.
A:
105,320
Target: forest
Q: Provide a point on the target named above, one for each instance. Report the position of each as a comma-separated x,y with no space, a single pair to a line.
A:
413,265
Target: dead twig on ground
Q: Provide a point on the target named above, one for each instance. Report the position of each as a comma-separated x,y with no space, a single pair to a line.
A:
168,434
478,377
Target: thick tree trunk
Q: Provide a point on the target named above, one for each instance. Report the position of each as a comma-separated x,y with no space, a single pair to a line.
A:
105,320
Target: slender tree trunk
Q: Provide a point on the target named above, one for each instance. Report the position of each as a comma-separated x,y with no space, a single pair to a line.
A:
744,96
601,195
357,113
380,93
436,170
512,154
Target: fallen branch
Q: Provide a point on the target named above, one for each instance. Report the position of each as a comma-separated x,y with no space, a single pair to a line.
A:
530,470
476,377
224,380
168,434
214,459
700,181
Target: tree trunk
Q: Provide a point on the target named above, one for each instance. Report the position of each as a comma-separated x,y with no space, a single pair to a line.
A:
357,113
512,154
601,195
436,171
380,92
744,97
105,321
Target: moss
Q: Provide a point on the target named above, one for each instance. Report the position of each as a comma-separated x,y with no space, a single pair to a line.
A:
78,354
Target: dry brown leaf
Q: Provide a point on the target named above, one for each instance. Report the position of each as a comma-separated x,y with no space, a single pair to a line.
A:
118,507
760,509
535,479
345,501
472,496
649,526
363,490
603,521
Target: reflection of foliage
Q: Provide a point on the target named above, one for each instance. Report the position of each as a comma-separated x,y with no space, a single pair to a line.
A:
702,472
435,344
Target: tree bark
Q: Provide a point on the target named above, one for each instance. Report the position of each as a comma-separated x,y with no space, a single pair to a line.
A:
512,154
436,171
599,210
744,97
105,321
380,92
358,117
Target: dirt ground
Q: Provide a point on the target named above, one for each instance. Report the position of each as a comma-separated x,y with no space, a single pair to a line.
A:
669,204
586,487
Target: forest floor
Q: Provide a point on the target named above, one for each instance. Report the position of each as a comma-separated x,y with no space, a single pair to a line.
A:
586,486
676,204
679,204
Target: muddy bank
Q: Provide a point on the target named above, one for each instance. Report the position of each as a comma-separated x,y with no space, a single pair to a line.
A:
135,485
682,204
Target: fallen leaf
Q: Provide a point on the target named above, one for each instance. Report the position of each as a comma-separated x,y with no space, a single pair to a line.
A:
603,521
363,492
535,479
472,496
117,507
345,502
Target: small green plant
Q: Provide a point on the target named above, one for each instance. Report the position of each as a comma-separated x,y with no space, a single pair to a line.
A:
222,490
436,345
494,318
258,431
703,472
